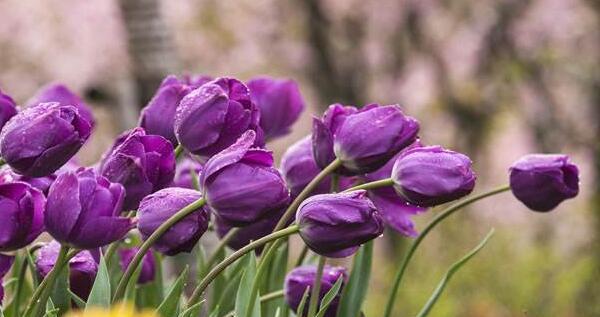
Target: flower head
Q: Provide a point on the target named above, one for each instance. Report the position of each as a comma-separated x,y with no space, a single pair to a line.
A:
303,277
147,272
21,215
56,92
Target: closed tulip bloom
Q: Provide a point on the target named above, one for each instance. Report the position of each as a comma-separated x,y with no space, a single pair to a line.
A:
21,215
240,184
280,104
184,174
6,262
542,181
156,208
431,175
395,210
142,163
60,93
303,277
335,225
325,128
368,139
39,140
8,108
147,272
246,234
83,210
159,114
82,268
212,117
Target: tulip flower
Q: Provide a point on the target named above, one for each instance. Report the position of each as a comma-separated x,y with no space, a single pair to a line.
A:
60,93
8,108
431,175
184,173
335,225
543,181
83,210
82,268
160,206
147,272
142,163
303,277
280,104
21,216
39,140
240,184
6,262
212,117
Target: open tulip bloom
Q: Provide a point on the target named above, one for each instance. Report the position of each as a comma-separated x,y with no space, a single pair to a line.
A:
197,168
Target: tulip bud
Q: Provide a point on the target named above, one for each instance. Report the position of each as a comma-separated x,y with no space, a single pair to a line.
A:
8,109
240,184
368,139
335,225
212,117
61,94
142,163
159,114
542,181
5,263
38,141
325,128
82,268
156,208
83,210
184,173
303,277
394,209
147,272
280,104
21,216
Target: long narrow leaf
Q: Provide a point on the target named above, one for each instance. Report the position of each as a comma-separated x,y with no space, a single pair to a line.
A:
300,309
276,273
329,296
243,299
169,306
100,293
451,271
354,292
77,300
194,310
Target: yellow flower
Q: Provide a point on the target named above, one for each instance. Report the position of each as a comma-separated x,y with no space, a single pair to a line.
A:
120,310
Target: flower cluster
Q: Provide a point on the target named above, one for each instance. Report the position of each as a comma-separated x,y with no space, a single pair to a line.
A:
198,162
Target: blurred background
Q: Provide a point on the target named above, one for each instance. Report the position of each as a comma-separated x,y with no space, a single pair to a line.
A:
495,79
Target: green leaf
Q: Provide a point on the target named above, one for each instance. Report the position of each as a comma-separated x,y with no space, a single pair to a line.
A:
230,292
170,304
451,271
243,299
78,301
329,296
300,308
354,292
194,310
100,293
276,272
215,312
60,291
51,311
219,283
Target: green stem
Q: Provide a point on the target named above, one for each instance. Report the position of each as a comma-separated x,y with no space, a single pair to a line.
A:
21,276
233,257
185,211
2,161
222,243
302,256
316,289
372,185
262,267
439,218
335,183
178,151
265,298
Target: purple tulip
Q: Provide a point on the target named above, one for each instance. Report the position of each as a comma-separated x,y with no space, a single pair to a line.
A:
280,104
542,181
298,167
147,272
240,184
431,175
82,268
142,163
21,216
8,108
251,232
7,175
83,210
39,140
159,115
213,116
60,93
6,262
156,208
303,277
368,139
394,209
184,173
325,128
335,225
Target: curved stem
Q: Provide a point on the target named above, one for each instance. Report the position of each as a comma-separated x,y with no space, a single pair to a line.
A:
439,218
316,289
185,211
372,185
178,151
302,256
221,246
2,162
234,256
